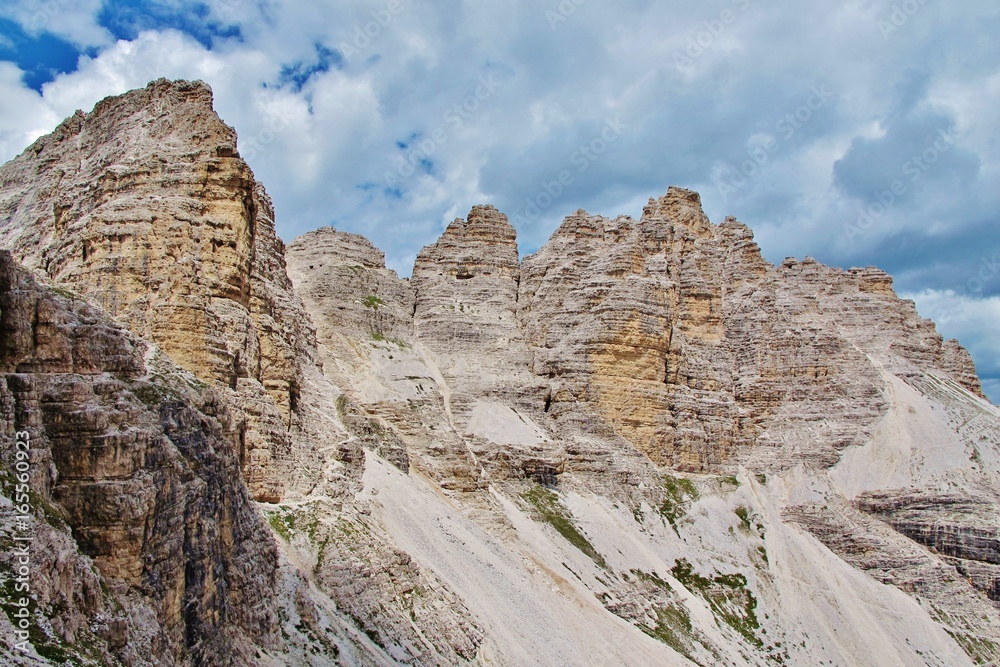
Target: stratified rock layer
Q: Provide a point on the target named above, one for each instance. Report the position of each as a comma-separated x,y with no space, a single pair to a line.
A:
700,353
623,346
466,287
141,467
145,206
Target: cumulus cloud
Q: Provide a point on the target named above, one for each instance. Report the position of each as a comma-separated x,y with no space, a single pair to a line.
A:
390,118
24,115
74,20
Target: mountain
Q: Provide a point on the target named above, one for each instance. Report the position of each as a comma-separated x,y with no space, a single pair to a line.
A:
644,444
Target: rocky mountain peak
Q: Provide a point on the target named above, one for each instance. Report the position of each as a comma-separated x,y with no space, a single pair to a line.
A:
466,286
347,248
484,244
144,205
679,207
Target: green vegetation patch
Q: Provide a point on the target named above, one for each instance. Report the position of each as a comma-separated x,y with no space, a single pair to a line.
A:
283,524
290,521
380,337
652,578
673,628
372,301
673,622
550,510
982,651
679,494
728,596
749,521
729,480
744,514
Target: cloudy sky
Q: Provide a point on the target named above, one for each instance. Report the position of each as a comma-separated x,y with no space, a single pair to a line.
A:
862,132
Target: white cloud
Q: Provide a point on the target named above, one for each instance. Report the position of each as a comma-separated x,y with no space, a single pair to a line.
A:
24,116
73,20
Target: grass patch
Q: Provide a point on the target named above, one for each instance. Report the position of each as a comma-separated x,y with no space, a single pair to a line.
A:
380,337
550,510
730,480
283,524
652,578
673,627
982,651
679,494
290,521
372,301
727,595
762,552
744,514
673,622
749,521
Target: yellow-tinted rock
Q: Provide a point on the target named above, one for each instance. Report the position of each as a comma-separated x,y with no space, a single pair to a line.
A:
145,207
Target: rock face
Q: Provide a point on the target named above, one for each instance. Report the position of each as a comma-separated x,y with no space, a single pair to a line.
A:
466,299
622,345
626,319
145,206
465,317
347,273
136,461
643,444
700,354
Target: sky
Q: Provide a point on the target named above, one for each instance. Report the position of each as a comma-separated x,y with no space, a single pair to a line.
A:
862,132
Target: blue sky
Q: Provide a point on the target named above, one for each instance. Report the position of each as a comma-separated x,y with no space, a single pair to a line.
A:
862,132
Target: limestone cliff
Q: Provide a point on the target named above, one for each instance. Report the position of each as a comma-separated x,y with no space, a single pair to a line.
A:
144,206
700,353
626,348
145,548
